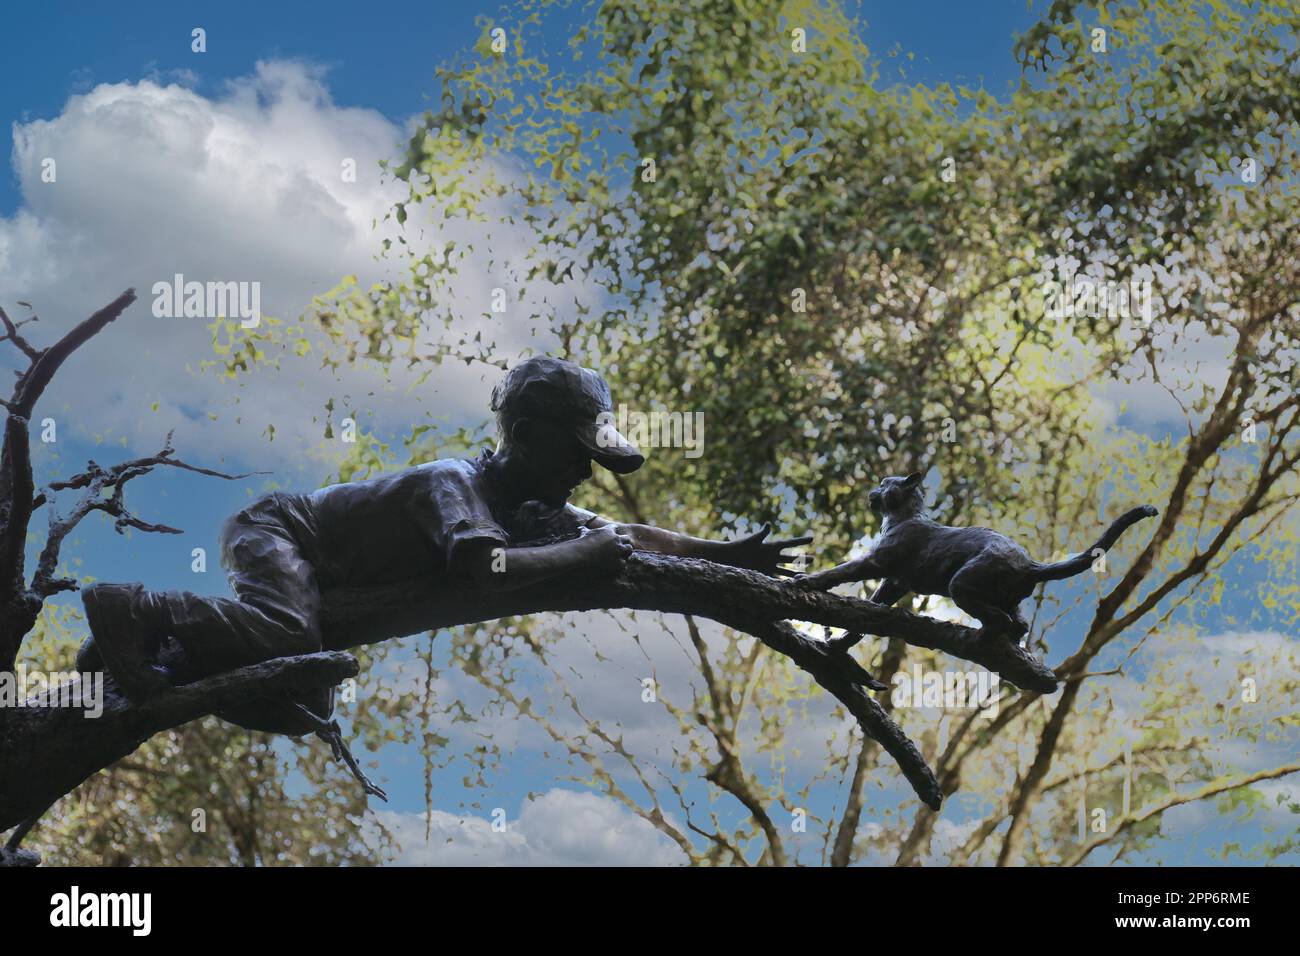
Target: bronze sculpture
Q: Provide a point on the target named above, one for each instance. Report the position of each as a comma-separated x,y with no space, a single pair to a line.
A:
500,521
986,574
49,750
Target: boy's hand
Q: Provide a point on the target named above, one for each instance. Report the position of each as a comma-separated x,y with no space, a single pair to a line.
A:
603,546
757,554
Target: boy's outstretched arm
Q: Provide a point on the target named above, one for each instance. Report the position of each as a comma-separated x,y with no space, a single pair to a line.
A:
753,552
605,544
496,568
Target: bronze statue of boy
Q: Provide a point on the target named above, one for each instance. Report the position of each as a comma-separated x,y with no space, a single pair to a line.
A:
461,519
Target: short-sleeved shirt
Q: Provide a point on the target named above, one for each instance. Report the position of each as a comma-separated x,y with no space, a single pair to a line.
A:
407,524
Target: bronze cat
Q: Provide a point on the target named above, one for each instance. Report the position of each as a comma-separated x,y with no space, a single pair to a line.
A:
986,574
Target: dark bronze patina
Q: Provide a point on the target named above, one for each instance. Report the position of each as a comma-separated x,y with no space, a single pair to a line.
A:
985,573
500,521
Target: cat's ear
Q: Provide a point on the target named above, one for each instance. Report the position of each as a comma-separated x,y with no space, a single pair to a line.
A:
912,480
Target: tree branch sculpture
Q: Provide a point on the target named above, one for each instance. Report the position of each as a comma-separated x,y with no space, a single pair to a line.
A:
50,750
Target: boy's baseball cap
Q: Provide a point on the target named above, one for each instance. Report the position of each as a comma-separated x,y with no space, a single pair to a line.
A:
568,394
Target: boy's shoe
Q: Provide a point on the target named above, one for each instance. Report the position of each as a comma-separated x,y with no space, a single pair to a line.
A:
126,630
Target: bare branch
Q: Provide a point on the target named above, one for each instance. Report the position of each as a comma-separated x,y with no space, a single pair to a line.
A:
16,488
49,750
11,335
96,480
1175,800
33,384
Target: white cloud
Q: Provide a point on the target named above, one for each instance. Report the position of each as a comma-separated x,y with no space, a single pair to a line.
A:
1187,364
556,828
155,180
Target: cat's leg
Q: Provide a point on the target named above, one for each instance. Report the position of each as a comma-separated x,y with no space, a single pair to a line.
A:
859,569
889,593
1021,625
993,620
974,590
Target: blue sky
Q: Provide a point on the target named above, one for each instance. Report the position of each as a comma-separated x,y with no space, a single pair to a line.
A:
387,63
365,75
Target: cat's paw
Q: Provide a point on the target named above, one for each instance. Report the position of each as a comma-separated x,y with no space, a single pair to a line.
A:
809,582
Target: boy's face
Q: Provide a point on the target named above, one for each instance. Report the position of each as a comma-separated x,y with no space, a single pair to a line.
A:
556,463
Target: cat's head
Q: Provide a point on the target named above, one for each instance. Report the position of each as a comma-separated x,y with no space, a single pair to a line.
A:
898,497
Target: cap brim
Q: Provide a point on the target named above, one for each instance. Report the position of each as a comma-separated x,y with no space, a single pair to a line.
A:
609,448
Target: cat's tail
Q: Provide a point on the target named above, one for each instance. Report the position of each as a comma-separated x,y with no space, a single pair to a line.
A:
1078,563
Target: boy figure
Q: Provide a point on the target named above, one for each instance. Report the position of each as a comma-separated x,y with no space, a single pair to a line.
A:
442,518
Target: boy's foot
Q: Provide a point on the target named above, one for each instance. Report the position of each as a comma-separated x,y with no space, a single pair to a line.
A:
126,631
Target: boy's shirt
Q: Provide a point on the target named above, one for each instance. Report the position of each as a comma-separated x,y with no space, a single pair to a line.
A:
407,524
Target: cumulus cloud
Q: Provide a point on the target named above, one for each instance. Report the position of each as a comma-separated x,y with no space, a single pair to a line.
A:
556,828
152,180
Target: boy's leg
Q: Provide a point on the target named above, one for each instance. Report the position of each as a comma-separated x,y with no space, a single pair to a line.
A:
277,608
277,613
